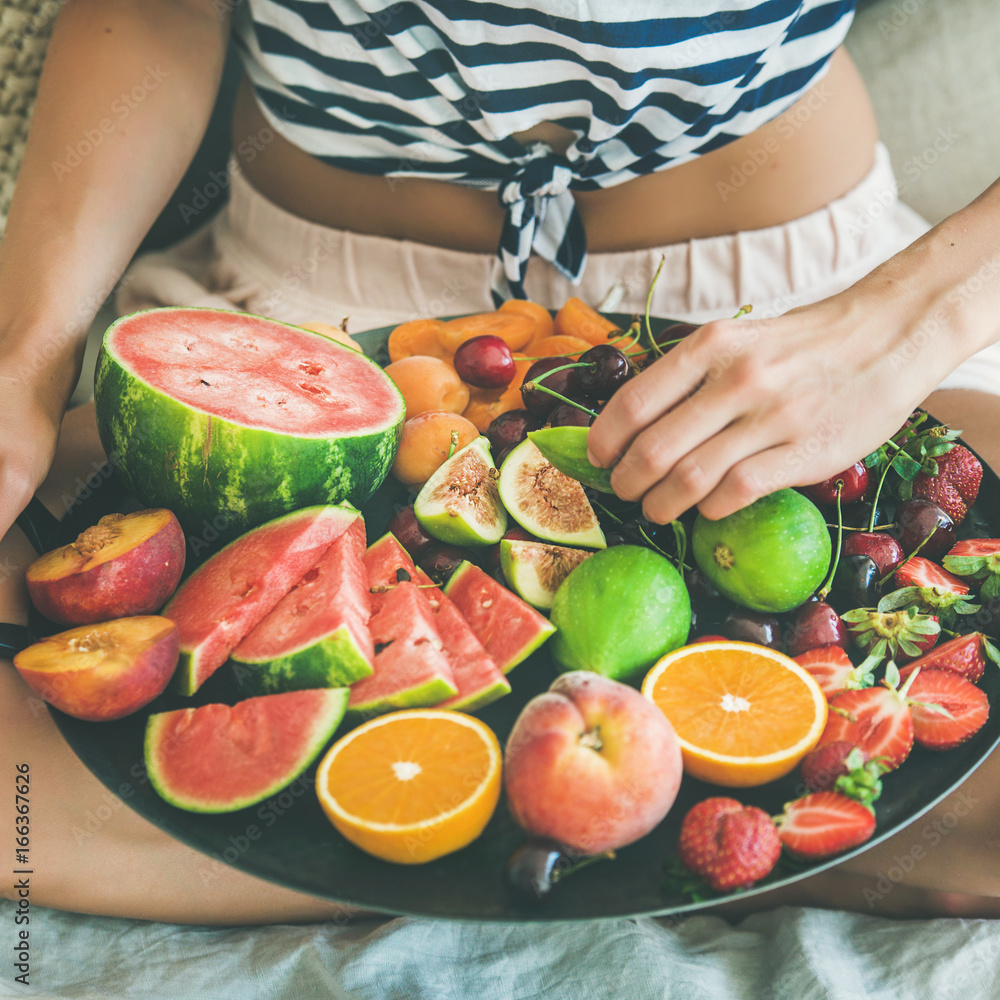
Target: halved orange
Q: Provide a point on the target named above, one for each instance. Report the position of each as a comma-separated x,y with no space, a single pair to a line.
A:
744,714
412,785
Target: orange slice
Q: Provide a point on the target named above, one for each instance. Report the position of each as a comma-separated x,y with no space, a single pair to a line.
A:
412,785
744,714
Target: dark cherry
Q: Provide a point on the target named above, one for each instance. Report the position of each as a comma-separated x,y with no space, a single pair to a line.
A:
883,548
743,625
499,456
700,587
855,480
541,403
439,561
676,331
511,428
918,519
608,370
812,625
855,583
408,531
615,537
568,415
534,867
859,513
485,362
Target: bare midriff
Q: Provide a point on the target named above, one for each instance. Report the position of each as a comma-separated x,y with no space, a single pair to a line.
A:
810,155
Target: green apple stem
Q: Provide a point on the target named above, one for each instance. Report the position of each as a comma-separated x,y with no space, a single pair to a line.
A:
828,582
558,395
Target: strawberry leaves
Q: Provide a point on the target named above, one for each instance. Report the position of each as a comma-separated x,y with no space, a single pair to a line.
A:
887,633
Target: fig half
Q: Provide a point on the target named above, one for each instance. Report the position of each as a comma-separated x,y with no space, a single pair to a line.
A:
547,502
534,570
460,503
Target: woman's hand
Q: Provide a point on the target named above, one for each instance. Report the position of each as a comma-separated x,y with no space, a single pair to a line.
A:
744,407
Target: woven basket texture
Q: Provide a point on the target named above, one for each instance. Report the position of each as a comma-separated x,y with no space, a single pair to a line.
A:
25,27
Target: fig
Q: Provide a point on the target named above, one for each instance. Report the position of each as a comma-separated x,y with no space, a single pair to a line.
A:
460,502
566,448
547,502
534,570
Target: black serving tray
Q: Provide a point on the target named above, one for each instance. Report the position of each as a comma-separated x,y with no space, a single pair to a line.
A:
288,840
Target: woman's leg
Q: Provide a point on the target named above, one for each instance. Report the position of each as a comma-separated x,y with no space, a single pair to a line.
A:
126,866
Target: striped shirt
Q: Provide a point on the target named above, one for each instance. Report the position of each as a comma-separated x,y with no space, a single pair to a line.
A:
437,88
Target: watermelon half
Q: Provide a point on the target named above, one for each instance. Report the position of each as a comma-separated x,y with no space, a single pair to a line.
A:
317,635
229,419
218,758
233,590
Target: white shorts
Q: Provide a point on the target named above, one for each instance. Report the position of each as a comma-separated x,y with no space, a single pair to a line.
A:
256,257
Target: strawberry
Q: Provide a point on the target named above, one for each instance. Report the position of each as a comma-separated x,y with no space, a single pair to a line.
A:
876,719
924,574
842,767
965,655
955,486
901,634
978,559
823,824
833,671
729,845
966,709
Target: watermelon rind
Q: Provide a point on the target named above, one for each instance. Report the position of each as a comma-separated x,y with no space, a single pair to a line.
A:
509,628
317,717
219,475
202,600
333,662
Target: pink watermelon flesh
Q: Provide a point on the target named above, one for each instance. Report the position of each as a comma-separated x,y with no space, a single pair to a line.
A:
317,635
410,668
233,590
478,678
218,362
219,758
509,628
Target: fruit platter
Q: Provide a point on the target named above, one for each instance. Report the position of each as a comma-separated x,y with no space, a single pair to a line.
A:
873,622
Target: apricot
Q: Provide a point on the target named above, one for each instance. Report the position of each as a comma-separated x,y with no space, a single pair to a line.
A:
428,384
426,443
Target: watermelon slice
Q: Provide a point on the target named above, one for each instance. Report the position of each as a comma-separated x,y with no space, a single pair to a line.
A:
477,676
229,419
509,628
318,635
411,671
233,590
218,758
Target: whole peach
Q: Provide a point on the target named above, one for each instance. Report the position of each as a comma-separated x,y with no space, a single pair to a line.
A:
589,765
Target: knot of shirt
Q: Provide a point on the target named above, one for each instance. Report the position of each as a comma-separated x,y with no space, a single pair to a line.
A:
540,217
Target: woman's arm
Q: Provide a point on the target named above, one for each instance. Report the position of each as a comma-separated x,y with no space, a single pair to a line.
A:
745,407
125,95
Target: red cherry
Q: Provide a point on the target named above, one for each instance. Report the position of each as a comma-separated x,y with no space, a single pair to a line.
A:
485,362
883,549
855,480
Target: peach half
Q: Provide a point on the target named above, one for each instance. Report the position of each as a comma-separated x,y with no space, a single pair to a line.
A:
103,671
588,765
126,564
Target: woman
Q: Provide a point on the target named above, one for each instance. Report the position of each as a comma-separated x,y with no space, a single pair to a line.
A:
367,192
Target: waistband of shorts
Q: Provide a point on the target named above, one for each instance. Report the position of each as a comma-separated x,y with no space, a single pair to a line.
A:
772,267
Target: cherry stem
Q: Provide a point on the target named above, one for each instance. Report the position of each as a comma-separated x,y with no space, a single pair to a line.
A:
916,551
561,873
743,311
453,445
558,395
878,492
828,582
649,300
